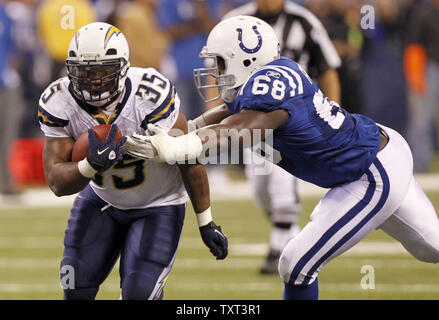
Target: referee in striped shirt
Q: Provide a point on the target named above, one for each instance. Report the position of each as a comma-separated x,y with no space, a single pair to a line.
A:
303,39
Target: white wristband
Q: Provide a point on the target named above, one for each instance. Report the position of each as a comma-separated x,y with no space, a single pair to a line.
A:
191,125
86,169
204,217
200,122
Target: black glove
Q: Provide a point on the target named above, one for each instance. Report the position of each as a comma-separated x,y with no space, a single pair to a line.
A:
103,155
215,239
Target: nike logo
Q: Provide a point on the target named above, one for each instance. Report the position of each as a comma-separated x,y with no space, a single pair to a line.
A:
102,151
220,233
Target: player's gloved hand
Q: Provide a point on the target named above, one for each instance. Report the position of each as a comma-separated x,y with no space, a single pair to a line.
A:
102,155
141,147
161,147
215,239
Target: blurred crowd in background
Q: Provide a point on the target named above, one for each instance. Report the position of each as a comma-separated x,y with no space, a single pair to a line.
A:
389,71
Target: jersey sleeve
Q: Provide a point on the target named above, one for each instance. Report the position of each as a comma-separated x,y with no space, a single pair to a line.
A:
269,89
53,121
162,100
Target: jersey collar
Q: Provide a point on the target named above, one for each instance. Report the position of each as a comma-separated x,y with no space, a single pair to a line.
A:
100,117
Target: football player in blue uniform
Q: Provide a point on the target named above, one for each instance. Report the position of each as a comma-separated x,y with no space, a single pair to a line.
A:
368,167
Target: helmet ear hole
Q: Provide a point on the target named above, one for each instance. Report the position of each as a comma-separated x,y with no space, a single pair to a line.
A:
111,52
221,64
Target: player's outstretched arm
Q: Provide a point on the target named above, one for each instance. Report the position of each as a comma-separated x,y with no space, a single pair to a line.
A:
247,123
248,128
197,186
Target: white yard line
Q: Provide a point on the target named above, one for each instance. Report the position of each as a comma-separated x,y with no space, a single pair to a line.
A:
31,242
361,249
229,190
230,263
238,249
29,263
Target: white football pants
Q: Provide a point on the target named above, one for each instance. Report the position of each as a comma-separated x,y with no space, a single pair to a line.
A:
386,197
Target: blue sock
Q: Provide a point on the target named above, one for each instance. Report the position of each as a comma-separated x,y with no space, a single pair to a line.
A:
310,292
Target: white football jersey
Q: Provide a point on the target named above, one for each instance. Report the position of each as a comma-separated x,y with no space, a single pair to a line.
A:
148,97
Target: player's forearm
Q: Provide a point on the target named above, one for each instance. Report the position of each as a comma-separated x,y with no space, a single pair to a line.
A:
197,186
217,114
240,131
65,178
223,138
62,175
212,116
234,133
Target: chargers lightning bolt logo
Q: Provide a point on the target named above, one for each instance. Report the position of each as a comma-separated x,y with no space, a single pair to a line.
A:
111,31
243,47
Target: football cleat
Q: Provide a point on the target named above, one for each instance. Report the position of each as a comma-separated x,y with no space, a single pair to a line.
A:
271,263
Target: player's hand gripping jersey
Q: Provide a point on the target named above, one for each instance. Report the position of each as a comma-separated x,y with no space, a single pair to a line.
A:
320,143
148,97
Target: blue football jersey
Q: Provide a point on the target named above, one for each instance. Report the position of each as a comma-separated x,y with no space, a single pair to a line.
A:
320,143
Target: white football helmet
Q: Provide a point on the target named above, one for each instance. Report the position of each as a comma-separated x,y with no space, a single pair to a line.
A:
97,63
238,46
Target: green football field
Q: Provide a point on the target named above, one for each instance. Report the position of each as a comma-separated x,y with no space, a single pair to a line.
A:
31,248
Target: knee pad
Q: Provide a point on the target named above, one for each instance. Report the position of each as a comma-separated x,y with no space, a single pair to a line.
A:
74,274
141,286
287,264
74,281
284,268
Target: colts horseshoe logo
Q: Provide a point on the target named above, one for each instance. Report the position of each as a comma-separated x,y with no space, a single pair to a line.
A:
243,47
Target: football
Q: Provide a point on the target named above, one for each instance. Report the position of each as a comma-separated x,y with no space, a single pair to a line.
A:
80,148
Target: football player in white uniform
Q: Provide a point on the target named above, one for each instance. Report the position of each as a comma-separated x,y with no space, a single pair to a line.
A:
126,207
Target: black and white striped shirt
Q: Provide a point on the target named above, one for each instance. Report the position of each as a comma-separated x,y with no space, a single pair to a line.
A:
301,34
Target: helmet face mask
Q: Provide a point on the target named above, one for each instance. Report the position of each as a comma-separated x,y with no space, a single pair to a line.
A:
97,63
94,82
216,71
237,46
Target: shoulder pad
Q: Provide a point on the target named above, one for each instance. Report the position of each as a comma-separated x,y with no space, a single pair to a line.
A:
277,82
53,103
157,95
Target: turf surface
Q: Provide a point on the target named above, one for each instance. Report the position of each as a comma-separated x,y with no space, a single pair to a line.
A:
31,248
